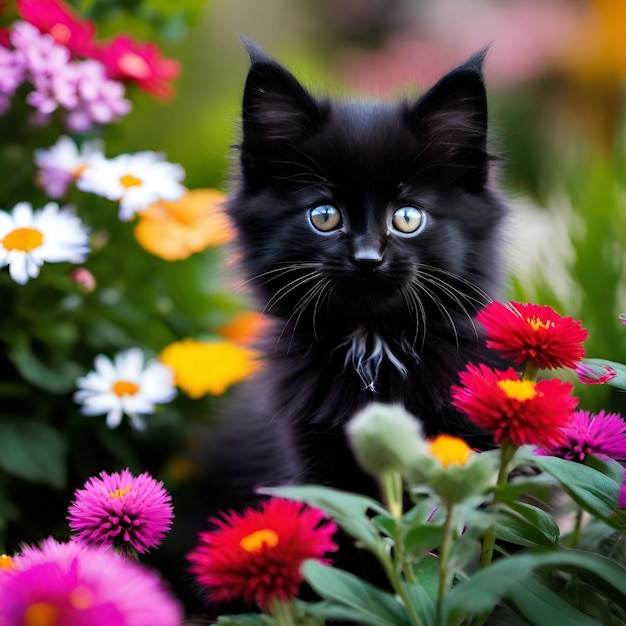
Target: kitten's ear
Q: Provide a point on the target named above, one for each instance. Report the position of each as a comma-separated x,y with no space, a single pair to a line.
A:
276,107
451,119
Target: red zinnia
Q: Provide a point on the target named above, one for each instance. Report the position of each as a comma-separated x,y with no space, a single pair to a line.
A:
514,410
533,332
61,21
128,60
256,556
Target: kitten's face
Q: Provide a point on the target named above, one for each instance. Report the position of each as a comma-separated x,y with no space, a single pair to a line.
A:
359,211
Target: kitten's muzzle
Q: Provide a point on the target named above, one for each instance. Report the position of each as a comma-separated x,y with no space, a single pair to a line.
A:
367,258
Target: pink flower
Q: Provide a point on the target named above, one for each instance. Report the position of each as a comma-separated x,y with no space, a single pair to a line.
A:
78,585
126,59
59,20
602,435
81,89
121,510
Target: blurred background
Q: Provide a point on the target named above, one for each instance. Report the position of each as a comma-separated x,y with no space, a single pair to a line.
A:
556,77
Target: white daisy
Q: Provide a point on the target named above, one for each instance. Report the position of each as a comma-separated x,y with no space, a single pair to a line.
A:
126,385
28,239
136,180
63,163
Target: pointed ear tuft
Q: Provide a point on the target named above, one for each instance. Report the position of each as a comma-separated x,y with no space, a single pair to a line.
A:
276,107
451,120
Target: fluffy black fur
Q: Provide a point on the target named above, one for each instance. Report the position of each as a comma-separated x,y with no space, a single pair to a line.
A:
363,311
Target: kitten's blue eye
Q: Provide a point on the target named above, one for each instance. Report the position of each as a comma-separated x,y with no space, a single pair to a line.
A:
408,220
325,218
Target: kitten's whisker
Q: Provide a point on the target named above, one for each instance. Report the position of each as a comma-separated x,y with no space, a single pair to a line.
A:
441,306
419,310
451,292
277,272
483,297
288,288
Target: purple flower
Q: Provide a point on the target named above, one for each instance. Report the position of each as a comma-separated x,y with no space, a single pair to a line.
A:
71,583
121,510
81,89
11,76
602,435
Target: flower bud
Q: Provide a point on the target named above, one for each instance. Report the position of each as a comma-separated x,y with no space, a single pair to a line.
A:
385,438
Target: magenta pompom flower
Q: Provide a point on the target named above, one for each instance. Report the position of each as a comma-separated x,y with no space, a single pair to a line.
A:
602,435
514,410
256,556
533,332
130,513
63,584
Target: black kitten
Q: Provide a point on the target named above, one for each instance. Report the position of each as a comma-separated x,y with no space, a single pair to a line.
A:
371,236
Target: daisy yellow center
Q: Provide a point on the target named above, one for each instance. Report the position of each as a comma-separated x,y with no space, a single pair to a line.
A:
79,171
6,561
537,323
259,539
41,614
518,389
23,239
450,450
133,65
124,388
128,180
119,493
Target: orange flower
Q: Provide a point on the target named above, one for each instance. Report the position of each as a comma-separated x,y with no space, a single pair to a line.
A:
450,450
244,328
176,230
202,367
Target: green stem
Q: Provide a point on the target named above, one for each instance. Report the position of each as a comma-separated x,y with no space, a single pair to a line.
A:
391,486
531,369
393,574
489,540
281,612
572,540
444,555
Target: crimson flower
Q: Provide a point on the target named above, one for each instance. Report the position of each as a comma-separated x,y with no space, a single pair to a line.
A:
61,21
516,411
119,509
601,435
533,332
127,60
256,556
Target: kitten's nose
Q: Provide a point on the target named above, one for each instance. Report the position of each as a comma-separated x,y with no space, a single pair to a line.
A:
367,258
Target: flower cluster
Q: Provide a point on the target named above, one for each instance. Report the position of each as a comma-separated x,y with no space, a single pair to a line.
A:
66,69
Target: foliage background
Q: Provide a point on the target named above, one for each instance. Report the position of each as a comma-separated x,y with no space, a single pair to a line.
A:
556,73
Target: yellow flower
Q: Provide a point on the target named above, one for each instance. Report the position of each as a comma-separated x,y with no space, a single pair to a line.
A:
450,450
176,230
202,367
6,562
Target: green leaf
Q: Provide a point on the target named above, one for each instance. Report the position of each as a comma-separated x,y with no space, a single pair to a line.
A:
32,451
367,604
526,525
540,606
593,490
349,510
58,377
422,538
484,590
